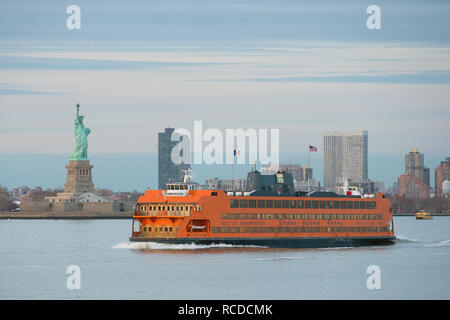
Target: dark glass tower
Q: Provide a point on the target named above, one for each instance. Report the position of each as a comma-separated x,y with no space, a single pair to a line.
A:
167,170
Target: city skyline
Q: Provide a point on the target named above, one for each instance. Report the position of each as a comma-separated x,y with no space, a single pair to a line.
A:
139,171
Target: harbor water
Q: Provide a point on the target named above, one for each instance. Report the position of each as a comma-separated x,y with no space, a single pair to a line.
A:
35,256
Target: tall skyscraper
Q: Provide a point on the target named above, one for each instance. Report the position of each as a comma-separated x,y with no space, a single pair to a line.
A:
167,170
332,160
414,166
441,173
345,156
356,156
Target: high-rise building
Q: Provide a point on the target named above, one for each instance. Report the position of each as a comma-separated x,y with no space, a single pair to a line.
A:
332,160
167,170
414,166
345,156
411,186
355,157
441,173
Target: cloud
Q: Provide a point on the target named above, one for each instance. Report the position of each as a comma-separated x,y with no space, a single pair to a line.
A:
42,63
430,77
6,89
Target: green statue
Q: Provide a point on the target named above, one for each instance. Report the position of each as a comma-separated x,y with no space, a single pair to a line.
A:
81,142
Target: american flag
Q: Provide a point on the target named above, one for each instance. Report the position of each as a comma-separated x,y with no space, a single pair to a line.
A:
312,149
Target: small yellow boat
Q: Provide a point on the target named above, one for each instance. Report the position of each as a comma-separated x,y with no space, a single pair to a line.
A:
423,215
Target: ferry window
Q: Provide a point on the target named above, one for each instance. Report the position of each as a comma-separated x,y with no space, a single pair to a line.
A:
322,204
307,203
165,229
349,204
356,205
335,204
315,204
269,203
301,203
234,203
149,228
261,203
145,228
285,203
170,229
374,205
277,203
343,205
362,205
252,203
243,203
159,208
329,204
293,203
160,228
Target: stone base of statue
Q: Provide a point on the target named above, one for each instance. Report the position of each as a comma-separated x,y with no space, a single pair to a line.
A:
79,177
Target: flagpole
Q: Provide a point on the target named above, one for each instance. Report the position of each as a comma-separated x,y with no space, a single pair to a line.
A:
232,172
309,160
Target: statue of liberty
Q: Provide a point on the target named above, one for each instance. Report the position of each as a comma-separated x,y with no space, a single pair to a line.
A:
81,141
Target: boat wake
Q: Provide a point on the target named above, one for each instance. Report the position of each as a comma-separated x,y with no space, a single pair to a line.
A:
439,243
167,246
281,259
401,238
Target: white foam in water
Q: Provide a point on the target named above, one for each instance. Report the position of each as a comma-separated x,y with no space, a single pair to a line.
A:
280,259
405,239
439,244
168,246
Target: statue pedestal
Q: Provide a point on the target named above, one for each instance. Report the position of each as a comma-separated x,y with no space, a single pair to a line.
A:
79,177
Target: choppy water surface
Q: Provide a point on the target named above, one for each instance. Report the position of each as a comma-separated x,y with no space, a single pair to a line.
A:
35,254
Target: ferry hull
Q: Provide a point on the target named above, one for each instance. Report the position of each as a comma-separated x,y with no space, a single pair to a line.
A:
316,242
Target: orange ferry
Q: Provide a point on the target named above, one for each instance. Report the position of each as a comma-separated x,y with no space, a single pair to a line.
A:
271,214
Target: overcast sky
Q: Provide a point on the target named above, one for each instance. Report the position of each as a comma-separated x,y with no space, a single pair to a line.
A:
304,67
